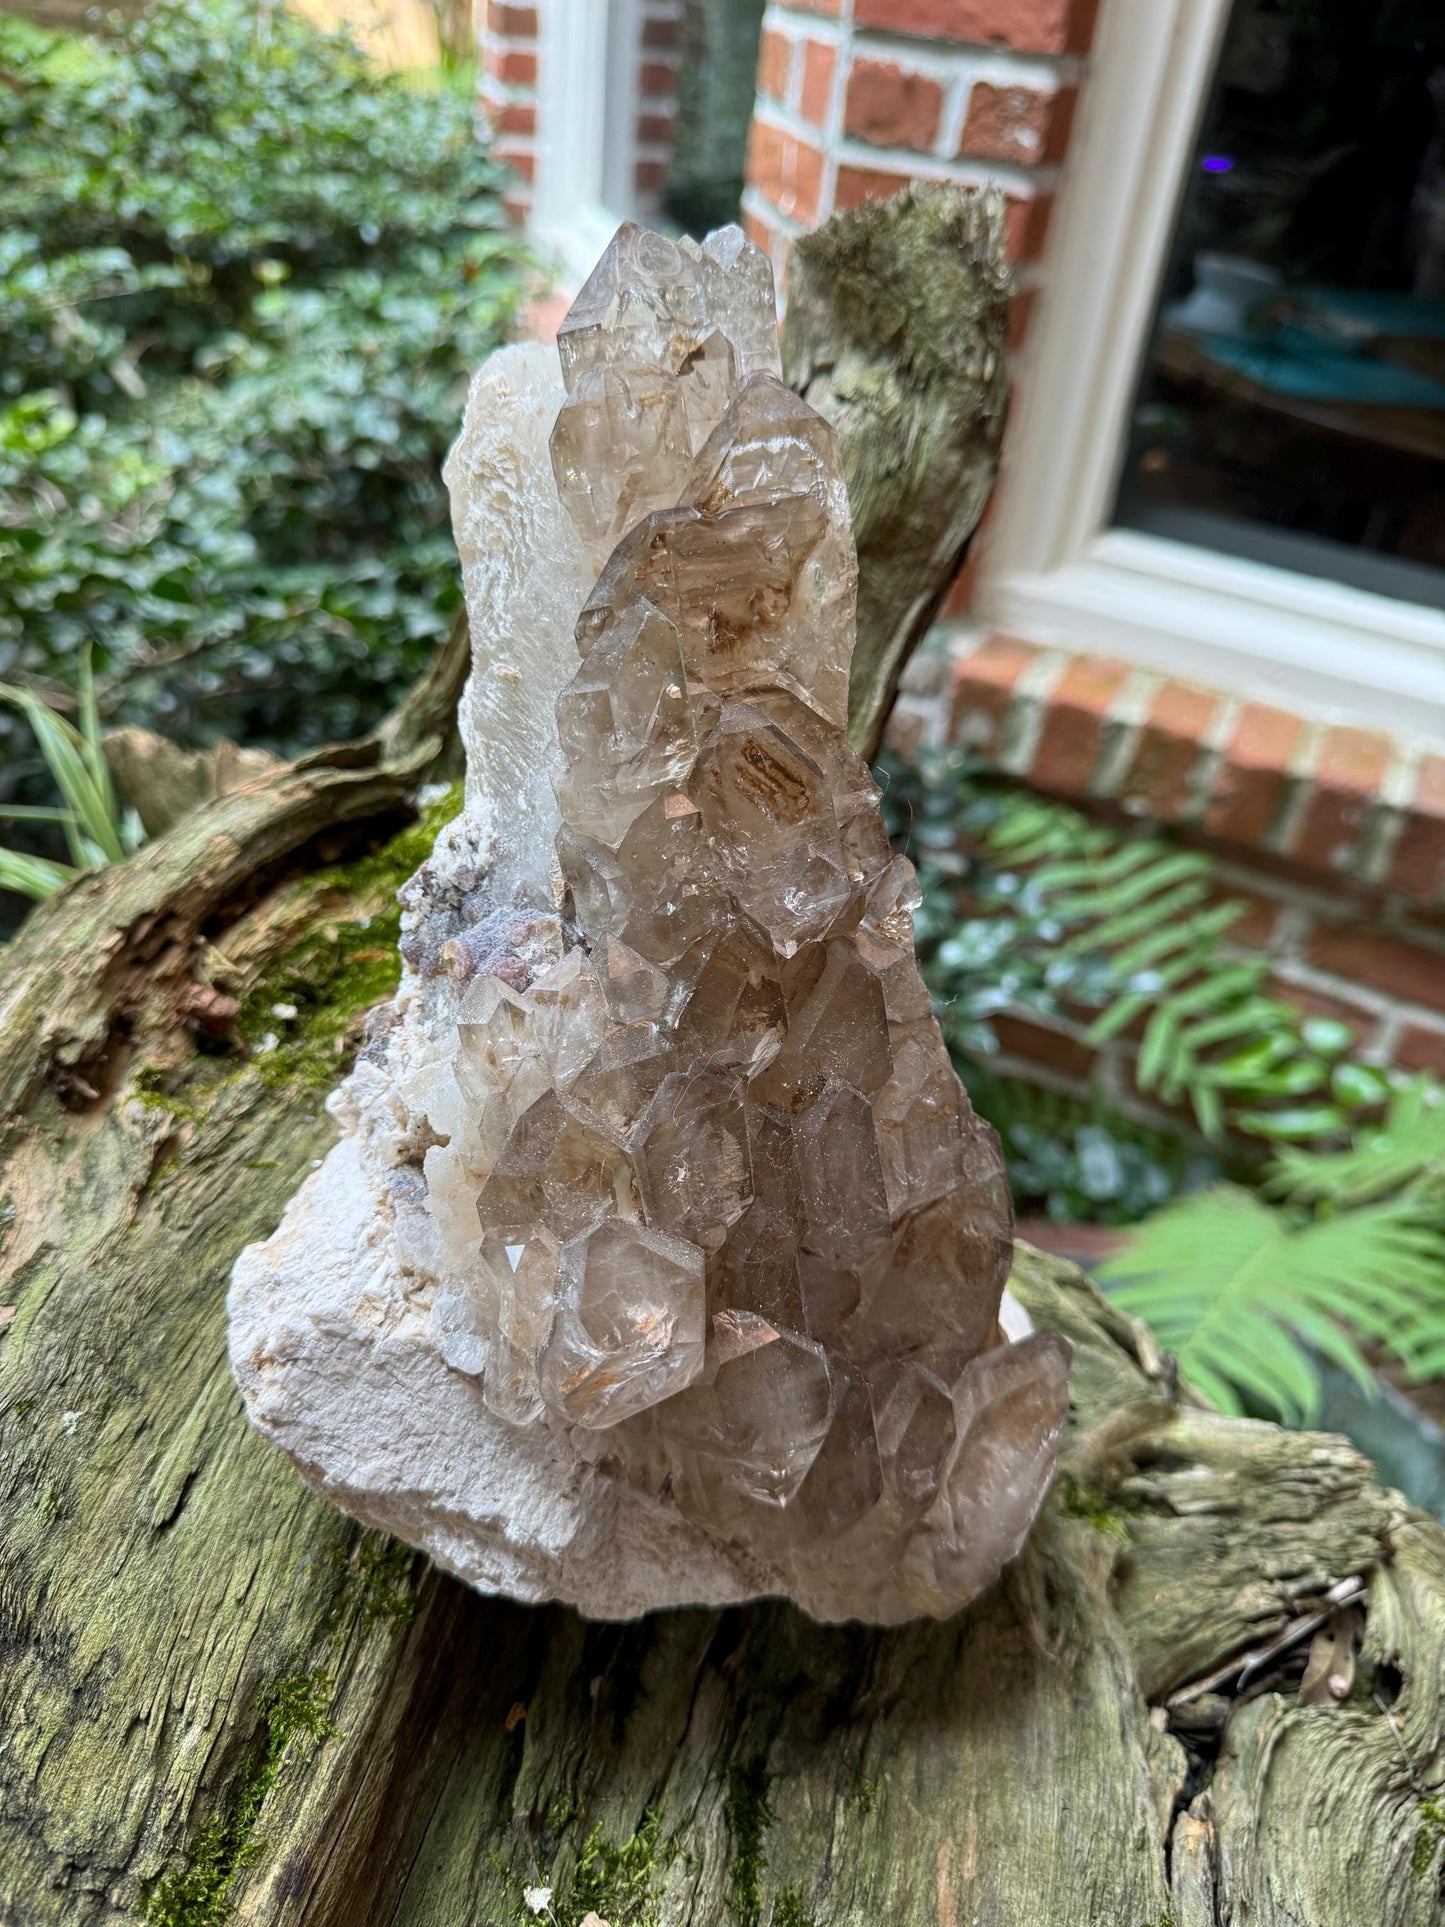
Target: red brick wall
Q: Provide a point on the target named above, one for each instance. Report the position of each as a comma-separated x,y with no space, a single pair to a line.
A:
1333,836
657,99
857,97
510,53
508,50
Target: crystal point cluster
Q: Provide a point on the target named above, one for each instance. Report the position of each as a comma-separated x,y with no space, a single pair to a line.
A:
710,1201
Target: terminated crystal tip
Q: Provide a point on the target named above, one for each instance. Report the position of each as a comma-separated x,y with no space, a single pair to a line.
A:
741,1237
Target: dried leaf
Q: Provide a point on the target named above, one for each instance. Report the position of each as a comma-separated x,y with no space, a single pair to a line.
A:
1330,1670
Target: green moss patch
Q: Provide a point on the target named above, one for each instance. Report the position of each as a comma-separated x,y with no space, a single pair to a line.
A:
1093,1508
199,1894
618,1882
341,970
788,1912
377,1583
750,1814
1429,1836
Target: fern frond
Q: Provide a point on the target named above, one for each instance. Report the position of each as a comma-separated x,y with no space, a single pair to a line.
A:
1406,1150
1124,926
1189,934
1098,867
1232,1287
1150,881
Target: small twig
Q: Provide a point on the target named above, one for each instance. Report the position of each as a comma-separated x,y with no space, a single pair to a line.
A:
1345,1592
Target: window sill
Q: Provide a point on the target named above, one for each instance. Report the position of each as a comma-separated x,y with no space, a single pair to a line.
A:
1322,798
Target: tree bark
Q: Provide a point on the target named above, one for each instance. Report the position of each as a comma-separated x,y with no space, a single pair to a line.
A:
219,1699
896,325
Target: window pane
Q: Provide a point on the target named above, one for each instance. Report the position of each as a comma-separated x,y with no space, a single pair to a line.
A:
715,85
1292,404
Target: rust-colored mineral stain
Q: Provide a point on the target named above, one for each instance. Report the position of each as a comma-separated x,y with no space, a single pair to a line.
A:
772,785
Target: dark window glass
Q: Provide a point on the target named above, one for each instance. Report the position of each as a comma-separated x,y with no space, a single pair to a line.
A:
1292,403
715,83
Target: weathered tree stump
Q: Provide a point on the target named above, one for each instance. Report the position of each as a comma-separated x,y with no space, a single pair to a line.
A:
221,1699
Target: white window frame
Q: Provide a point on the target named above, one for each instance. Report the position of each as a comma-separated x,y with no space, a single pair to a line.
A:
587,69
1055,570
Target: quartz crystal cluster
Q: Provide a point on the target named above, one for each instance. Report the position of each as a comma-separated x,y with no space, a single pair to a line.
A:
740,1232
701,1199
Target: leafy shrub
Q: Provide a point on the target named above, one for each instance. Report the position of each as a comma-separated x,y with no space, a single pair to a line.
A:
243,280
1079,1162
1030,905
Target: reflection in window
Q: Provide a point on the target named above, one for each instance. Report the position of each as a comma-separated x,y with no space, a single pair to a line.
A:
714,107
1292,406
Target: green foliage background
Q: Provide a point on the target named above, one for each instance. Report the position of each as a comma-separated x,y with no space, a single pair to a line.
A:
243,280
1332,1237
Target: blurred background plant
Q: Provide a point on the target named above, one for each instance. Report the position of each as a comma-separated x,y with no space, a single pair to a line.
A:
244,277
1288,1197
1251,1292
96,828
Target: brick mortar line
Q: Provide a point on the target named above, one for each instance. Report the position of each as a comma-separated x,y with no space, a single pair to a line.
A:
1120,728
953,114
1200,785
1283,891
1299,782
1022,723
756,202
805,135
834,116
1329,983
1004,65
808,26
1024,183
1387,813
1387,1038
951,65
507,93
1006,1064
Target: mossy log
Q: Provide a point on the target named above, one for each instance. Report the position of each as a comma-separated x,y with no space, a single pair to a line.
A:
896,325
221,1700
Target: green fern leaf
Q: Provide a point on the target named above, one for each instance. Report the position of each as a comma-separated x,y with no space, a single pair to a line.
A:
1196,934
1098,869
1124,926
1408,1149
1231,1286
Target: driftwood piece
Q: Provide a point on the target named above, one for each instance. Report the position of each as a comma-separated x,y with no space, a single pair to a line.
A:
163,782
214,1685
895,330
220,1699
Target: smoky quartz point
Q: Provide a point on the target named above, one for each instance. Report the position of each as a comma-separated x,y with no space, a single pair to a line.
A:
718,1212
